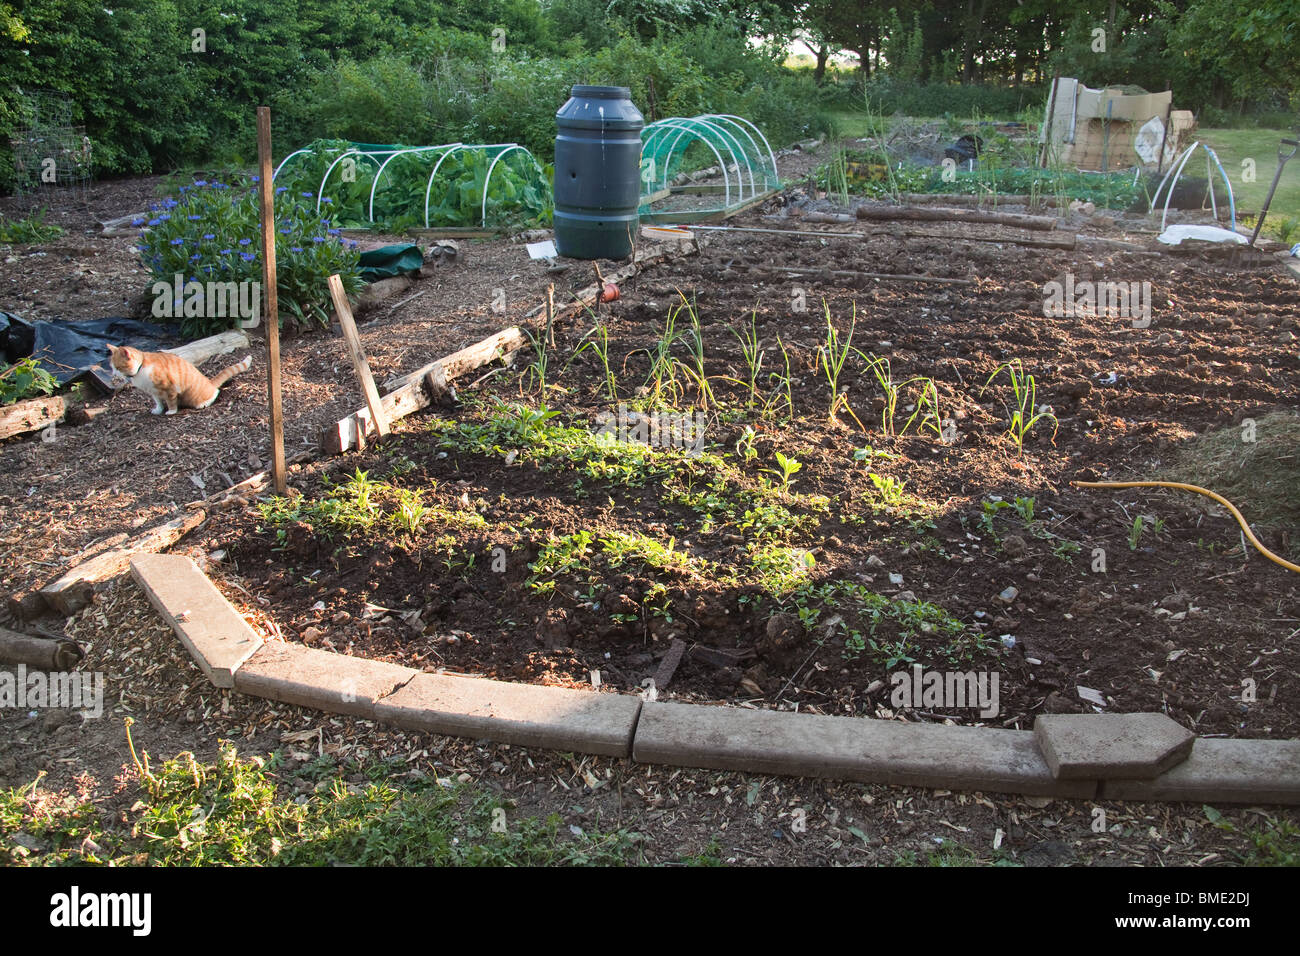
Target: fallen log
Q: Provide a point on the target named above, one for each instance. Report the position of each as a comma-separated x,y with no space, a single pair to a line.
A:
419,389
822,216
121,226
884,213
48,655
377,292
72,590
31,415
971,199
200,350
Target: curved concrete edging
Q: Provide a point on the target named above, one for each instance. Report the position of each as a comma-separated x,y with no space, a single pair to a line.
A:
1093,756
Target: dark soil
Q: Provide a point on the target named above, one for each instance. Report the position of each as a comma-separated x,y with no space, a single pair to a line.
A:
1179,621
128,468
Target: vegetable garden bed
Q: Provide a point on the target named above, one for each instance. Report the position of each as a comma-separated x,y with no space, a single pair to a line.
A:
818,544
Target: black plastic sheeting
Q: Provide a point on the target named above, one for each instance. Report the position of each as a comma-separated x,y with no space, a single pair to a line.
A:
966,148
78,351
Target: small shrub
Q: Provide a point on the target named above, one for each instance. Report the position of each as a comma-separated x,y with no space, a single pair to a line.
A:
26,379
32,229
211,233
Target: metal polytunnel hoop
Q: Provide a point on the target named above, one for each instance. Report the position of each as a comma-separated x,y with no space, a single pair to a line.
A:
737,146
487,180
370,211
386,189
1176,170
705,132
654,129
742,122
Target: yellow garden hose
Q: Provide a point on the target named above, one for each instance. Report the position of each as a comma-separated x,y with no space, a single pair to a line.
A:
1250,535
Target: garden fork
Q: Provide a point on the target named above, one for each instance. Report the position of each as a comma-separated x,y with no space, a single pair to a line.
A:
1281,161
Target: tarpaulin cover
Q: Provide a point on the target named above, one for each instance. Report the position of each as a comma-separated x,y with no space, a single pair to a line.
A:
69,350
388,261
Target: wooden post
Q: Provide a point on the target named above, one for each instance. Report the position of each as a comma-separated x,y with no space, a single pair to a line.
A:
266,204
1048,123
357,354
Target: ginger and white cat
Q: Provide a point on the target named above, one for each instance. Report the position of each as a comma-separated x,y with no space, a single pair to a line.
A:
170,380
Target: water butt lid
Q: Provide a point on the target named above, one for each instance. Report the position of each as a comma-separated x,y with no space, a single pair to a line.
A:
608,92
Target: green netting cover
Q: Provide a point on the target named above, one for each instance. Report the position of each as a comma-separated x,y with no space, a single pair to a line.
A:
680,143
368,185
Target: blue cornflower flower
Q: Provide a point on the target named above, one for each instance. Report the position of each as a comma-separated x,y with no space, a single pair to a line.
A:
193,217
196,257
154,222
164,217
286,231
247,256
137,222
326,199
178,241
308,195
200,182
245,242
334,232
209,235
317,238
226,252
295,248
281,189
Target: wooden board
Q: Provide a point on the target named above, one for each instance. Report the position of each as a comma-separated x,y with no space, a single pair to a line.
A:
357,354
717,215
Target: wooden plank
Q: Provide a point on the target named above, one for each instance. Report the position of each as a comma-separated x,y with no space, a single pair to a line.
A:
31,415
456,232
668,666
72,591
266,210
760,198
214,633
357,354
717,215
200,350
